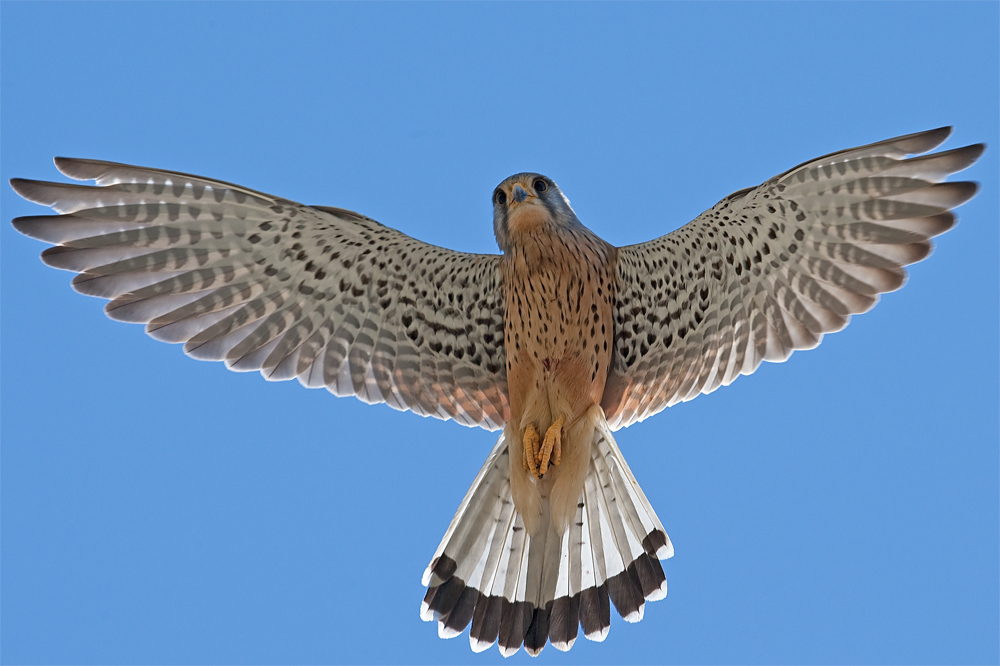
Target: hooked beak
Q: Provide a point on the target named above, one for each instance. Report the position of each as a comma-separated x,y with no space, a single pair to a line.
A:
519,194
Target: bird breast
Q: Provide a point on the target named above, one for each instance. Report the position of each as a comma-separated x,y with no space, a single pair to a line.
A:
559,291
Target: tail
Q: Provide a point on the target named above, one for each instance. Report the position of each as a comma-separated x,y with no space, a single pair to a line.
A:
515,588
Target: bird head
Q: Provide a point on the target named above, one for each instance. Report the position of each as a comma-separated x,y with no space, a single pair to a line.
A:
527,203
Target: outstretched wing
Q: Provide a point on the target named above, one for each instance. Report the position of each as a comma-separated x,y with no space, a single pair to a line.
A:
770,269
320,294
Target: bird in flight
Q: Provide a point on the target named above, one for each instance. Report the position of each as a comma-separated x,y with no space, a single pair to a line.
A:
557,342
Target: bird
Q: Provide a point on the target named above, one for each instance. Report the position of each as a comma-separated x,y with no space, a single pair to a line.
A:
557,342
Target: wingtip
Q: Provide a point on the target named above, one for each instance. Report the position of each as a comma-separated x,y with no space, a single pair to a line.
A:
30,190
956,193
27,225
976,150
921,142
71,167
944,132
18,185
22,226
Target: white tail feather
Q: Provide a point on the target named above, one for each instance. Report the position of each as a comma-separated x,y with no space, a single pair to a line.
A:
516,588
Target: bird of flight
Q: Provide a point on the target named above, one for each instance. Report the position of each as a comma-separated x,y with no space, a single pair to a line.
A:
557,342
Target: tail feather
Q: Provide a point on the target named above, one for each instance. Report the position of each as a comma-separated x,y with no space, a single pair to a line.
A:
486,618
514,615
473,514
595,606
517,589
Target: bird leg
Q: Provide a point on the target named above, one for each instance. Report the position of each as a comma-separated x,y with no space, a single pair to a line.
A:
551,447
530,446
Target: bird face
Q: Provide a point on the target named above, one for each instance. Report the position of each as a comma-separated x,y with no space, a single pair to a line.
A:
527,203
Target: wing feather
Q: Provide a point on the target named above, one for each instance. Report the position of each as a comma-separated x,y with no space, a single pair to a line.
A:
771,269
265,284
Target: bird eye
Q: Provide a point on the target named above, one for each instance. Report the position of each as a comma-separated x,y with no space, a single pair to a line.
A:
500,197
540,185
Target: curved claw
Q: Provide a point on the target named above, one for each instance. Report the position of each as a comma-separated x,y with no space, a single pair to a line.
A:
530,448
551,447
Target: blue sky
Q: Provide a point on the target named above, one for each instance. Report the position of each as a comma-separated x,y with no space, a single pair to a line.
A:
837,508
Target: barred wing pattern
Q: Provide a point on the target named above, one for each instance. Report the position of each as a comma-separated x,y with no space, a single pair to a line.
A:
770,269
320,294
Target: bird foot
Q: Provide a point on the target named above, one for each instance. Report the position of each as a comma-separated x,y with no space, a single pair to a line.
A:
551,447
536,459
530,446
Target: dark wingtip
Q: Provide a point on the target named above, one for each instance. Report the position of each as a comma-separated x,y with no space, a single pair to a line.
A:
963,190
81,169
64,164
21,186
921,142
19,225
35,191
976,150
27,225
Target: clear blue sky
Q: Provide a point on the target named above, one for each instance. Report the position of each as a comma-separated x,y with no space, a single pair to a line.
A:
838,508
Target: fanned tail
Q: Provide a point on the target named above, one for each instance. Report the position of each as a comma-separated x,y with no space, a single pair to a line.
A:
517,589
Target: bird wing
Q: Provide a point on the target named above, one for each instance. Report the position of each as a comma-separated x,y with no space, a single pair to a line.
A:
262,283
770,269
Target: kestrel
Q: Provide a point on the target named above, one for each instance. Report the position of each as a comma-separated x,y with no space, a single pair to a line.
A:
559,341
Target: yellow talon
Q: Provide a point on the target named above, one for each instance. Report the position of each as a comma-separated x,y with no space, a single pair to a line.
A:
530,443
552,447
